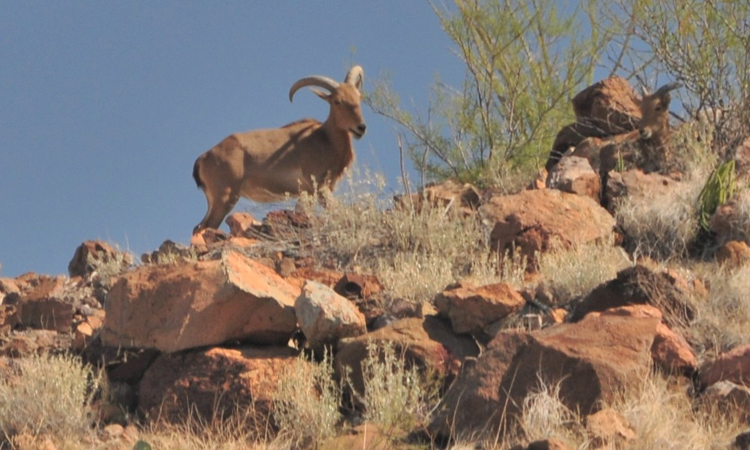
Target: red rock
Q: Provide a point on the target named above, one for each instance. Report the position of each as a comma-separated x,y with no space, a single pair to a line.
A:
8,286
28,342
8,318
590,361
214,383
638,285
539,220
574,174
82,335
636,184
325,317
471,308
41,305
608,429
323,276
732,366
669,351
672,352
733,254
240,223
356,286
726,222
199,303
91,256
207,238
612,103
728,399
427,342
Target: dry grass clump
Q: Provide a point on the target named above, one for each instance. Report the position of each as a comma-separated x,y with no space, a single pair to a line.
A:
664,418
396,396
663,227
544,416
239,429
722,318
414,252
570,273
306,406
47,395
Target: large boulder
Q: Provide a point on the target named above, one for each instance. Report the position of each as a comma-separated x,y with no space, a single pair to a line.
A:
471,308
590,361
538,220
428,342
200,303
325,317
612,104
213,383
670,351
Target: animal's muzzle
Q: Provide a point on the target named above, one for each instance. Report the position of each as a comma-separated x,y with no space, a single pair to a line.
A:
359,130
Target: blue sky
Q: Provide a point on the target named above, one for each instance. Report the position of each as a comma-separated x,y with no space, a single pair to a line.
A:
104,106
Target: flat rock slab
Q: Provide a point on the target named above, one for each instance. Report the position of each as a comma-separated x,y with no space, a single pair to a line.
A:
200,303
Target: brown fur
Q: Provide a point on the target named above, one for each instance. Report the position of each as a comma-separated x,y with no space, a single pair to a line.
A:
268,164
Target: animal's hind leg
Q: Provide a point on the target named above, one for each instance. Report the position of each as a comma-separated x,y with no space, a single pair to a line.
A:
219,205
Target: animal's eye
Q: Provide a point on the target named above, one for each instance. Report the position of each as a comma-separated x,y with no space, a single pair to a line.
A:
658,108
337,102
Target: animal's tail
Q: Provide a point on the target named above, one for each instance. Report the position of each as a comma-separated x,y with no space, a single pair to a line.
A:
196,174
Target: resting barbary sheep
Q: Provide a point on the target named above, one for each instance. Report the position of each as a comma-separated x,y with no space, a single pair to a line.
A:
267,165
651,136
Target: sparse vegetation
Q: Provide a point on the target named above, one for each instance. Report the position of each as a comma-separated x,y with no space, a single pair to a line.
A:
662,226
571,273
723,317
47,396
396,396
306,407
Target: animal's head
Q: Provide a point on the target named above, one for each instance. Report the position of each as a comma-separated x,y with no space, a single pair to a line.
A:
655,112
345,99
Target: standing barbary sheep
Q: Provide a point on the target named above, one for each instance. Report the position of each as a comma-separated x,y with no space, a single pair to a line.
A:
266,165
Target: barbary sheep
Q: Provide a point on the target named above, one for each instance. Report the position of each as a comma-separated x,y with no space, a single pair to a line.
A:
266,165
650,137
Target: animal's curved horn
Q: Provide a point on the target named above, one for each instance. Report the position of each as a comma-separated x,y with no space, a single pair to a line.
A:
668,87
355,77
316,80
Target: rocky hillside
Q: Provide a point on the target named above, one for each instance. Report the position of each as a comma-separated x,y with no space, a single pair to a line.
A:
588,310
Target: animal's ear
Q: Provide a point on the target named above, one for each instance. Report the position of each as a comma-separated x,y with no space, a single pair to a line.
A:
322,95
